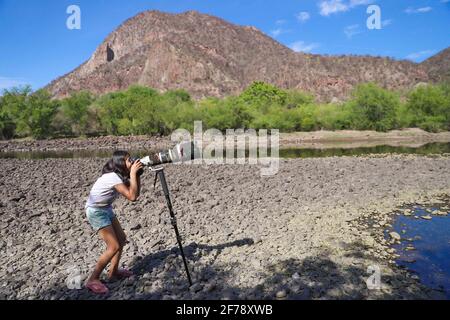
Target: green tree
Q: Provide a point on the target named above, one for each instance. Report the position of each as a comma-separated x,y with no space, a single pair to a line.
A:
261,95
74,112
24,113
333,116
296,98
374,108
429,107
12,103
133,111
278,117
177,96
176,110
217,114
36,118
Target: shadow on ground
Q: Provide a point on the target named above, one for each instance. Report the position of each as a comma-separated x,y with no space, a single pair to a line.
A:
161,275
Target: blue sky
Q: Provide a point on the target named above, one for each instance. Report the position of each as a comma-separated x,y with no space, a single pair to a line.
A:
37,47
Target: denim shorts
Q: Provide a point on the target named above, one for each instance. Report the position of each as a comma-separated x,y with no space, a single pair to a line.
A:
100,218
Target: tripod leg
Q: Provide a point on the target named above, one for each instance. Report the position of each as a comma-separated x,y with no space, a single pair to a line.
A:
173,221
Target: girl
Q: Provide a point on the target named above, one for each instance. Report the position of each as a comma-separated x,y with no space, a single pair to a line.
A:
119,175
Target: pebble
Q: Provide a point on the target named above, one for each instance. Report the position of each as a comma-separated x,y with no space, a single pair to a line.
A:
209,287
257,239
196,287
395,236
281,294
407,212
296,276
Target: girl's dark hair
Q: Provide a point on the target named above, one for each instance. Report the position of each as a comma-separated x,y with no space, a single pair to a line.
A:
117,164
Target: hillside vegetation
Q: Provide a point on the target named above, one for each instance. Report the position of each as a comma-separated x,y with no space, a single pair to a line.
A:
144,111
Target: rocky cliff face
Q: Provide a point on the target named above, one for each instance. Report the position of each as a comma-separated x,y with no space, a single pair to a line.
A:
208,56
438,66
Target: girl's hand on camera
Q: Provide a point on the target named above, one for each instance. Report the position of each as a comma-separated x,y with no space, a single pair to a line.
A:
135,167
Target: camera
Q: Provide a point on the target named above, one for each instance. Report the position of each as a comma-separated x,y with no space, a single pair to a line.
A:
133,160
185,151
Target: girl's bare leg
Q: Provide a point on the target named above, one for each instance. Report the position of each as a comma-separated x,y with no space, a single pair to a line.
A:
120,234
112,248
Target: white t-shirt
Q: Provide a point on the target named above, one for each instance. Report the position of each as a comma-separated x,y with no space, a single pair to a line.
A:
103,192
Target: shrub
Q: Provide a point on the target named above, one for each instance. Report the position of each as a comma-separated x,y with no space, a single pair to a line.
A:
374,108
73,114
37,117
141,110
296,98
278,117
261,95
27,114
429,107
133,111
333,116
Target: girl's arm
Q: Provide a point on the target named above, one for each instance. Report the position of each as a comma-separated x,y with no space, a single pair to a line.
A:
133,191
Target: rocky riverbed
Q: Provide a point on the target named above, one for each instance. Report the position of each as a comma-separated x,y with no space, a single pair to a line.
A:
93,144
309,232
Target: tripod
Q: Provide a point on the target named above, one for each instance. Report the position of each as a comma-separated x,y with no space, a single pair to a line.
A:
159,172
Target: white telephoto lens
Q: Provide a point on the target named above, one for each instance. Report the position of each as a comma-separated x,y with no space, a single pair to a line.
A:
146,161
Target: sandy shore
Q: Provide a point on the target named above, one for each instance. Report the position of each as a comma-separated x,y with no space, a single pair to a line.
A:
298,235
356,139
310,140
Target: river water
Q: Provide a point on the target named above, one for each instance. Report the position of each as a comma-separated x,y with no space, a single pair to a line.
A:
432,148
425,246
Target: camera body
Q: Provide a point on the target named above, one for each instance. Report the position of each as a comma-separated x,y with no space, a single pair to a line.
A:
133,160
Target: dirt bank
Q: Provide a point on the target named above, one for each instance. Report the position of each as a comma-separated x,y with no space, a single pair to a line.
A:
356,139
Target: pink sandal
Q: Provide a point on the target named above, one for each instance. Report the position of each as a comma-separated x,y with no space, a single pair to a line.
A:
97,287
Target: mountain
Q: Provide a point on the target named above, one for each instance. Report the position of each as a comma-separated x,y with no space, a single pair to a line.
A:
208,56
438,66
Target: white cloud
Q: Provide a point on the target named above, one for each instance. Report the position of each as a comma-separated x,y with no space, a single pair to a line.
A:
279,31
411,10
276,32
332,6
445,1
352,30
386,22
354,3
328,7
301,46
303,16
419,55
7,83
